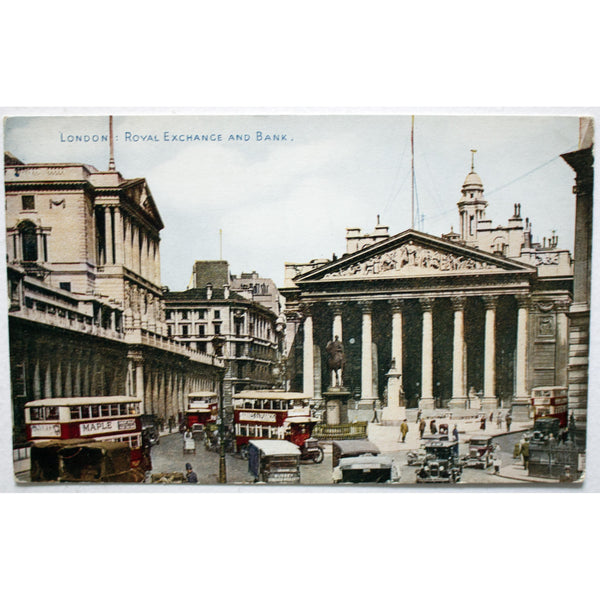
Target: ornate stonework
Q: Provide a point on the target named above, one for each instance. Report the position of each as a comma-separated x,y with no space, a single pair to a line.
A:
410,259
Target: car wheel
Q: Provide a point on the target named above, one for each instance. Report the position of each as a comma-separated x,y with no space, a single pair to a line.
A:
318,457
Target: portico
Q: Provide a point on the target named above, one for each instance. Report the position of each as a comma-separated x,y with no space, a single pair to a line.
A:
443,318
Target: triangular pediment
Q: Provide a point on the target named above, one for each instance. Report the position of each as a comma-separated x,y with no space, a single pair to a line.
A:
142,196
413,254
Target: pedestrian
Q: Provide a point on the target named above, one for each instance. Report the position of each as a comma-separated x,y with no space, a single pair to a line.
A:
482,423
525,453
404,430
422,426
190,476
497,461
499,420
419,413
455,433
508,422
432,427
491,418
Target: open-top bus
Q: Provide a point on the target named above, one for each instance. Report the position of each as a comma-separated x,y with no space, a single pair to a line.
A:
550,401
96,418
271,415
202,408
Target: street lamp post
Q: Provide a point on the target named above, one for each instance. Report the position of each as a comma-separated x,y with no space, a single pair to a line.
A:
222,463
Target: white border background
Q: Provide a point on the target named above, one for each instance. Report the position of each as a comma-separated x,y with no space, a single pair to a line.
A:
267,57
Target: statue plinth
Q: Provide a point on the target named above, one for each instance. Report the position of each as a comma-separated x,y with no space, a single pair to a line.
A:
395,411
336,403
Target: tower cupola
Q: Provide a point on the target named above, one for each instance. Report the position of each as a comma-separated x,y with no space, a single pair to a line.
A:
472,205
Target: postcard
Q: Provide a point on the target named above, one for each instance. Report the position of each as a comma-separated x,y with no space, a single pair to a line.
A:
368,299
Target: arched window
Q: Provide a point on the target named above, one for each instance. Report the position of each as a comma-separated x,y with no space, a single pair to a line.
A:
29,241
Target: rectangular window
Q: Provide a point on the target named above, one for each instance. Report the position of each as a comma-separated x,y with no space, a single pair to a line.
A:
217,314
85,412
95,410
184,330
202,347
167,314
169,331
28,202
105,409
114,410
202,314
201,330
184,315
75,412
65,285
217,328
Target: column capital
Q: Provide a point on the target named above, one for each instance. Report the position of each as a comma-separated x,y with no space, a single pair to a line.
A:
562,305
426,304
336,306
458,302
366,306
490,302
523,300
305,309
397,304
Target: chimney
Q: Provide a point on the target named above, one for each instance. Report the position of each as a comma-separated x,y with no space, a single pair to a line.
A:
226,291
209,291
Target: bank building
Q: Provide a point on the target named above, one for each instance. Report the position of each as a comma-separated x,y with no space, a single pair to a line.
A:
86,313
471,320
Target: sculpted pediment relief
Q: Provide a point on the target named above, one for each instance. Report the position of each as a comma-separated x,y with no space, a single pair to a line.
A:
412,259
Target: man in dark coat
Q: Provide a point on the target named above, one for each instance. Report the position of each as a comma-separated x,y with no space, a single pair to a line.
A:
422,426
190,476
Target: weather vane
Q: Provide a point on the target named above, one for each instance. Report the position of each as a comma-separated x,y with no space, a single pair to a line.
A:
473,160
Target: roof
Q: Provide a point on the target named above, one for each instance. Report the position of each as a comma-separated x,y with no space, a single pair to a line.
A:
79,400
270,395
276,447
200,294
202,395
360,446
350,461
473,180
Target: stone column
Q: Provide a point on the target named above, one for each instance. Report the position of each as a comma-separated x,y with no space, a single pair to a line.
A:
127,243
459,397
397,355
108,247
308,386
119,250
366,365
489,401
521,400
427,400
337,331
562,342
395,411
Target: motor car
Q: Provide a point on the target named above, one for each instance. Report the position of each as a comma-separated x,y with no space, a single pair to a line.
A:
366,468
481,448
441,464
150,433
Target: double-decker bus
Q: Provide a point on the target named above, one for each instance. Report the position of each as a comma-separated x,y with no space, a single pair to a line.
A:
98,418
271,415
550,401
202,408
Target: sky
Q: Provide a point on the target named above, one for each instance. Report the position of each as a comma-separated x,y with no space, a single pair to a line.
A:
291,199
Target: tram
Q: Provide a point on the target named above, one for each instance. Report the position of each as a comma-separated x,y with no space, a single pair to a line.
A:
91,419
271,415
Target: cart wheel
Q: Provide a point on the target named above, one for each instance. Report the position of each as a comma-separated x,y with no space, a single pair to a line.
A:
244,452
318,457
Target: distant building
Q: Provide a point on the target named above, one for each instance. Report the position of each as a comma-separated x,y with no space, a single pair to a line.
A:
86,311
257,288
210,317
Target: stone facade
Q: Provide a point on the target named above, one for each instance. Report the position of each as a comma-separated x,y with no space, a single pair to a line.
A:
223,323
472,320
84,284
